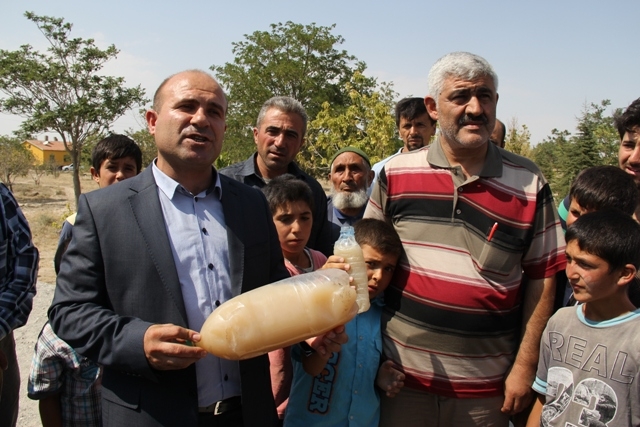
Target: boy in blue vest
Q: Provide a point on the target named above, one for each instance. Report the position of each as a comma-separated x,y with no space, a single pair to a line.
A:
339,388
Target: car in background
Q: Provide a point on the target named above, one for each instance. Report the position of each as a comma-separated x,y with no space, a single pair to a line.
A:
67,168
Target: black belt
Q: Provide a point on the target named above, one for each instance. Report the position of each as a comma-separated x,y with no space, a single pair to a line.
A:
222,406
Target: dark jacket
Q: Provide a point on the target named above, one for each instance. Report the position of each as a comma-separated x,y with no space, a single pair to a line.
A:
118,277
320,238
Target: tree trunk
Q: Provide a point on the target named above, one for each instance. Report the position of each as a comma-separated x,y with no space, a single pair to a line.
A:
77,190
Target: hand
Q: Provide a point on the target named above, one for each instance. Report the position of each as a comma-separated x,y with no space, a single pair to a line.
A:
335,261
167,347
517,390
330,342
390,379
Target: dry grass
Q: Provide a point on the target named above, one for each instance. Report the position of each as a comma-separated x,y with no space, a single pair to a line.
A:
46,206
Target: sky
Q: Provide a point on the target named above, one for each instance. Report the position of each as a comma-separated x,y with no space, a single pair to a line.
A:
552,58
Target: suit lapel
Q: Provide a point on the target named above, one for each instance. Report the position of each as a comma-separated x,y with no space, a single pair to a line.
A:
232,218
148,213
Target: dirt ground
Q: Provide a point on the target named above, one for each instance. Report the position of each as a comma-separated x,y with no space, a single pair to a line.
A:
46,206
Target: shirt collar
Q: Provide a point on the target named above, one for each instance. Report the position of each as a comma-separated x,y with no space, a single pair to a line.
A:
492,166
249,166
169,186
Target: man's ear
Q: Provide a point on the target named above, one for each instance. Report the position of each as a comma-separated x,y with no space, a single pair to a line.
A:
430,103
255,135
627,274
151,116
372,175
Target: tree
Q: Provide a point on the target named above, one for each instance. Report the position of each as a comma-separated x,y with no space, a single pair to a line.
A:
591,145
61,91
563,155
147,144
518,139
37,171
300,61
367,123
549,156
15,160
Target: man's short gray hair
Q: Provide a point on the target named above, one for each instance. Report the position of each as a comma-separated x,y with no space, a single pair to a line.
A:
463,65
286,104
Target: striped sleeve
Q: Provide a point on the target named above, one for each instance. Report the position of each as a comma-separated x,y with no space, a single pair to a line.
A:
18,265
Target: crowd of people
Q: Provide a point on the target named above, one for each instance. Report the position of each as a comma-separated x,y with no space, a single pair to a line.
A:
489,305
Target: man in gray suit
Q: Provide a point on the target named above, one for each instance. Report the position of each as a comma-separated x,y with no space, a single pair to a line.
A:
153,256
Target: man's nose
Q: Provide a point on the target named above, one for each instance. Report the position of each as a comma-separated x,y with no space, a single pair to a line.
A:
349,172
347,175
474,107
199,117
278,141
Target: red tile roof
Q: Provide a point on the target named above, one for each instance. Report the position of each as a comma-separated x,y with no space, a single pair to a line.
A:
47,145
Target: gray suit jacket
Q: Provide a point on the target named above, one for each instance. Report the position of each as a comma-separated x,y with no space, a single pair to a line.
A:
118,277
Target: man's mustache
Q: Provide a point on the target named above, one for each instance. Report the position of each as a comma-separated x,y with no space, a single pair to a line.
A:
468,119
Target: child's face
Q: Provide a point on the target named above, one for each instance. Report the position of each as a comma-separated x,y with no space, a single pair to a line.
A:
589,275
380,268
293,223
575,211
114,170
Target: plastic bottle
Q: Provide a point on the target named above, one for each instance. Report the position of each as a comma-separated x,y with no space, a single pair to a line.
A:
347,247
279,314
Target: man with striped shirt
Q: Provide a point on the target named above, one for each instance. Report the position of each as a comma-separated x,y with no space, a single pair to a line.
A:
482,242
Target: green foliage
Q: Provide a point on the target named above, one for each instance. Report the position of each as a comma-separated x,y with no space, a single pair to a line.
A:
366,123
518,139
15,160
300,61
147,145
61,91
549,155
563,155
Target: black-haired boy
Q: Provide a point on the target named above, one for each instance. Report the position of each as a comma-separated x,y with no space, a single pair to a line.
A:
589,370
